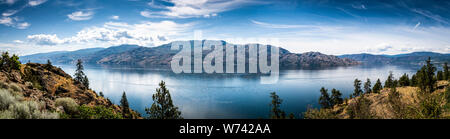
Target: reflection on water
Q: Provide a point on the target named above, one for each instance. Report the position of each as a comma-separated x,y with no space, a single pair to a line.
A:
229,95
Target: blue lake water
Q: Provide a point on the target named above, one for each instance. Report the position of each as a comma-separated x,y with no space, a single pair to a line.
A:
228,95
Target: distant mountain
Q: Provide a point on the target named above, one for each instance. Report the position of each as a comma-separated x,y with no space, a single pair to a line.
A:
415,58
90,55
132,55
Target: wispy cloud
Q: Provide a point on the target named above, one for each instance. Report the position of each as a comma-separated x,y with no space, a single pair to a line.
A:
36,2
416,26
81,15
14,22
195,8
115,17
431,16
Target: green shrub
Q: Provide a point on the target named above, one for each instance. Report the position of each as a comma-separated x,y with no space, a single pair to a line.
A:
97,112
13,107
15,87
312,113
3,85
69,105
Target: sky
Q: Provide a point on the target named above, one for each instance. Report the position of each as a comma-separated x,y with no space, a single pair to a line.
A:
328,26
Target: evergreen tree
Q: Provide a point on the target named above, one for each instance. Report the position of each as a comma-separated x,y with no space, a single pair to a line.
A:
80,77
9,63
357,91
389,81
101,94
275,111
425,77
49,64
124,105
162,107
413,81
336,97
368,86
404,80
377,87
324,99
439,76
446,72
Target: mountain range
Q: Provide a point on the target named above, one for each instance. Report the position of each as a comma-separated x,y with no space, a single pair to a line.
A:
160,56
415,58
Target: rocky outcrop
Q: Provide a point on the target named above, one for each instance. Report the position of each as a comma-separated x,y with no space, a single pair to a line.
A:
43,83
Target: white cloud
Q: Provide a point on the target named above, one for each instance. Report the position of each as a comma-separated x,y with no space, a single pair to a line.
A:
44,39
36,2
115,17
80,15
23,25
117,33
10,2
416,26
194,8
14,22
9,12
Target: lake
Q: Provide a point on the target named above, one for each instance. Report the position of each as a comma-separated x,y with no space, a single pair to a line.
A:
220,96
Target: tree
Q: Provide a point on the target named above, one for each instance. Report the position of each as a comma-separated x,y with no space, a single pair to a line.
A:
291,116
124,105
80,77
336,97
101,94
389,81
446,73
357,91
377,87
275,111
9,63
425,77
162,107
440,76
368,86
413,81
49,64
404,80
324,99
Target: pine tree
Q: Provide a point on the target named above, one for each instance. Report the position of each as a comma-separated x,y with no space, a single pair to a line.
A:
389,81
101,94
125,106
413,81
357,91
336,97
368,86
9,63
446,72
404,80
49,64
162,107
80,77
439,76
377,87
425,77
324,99
275,111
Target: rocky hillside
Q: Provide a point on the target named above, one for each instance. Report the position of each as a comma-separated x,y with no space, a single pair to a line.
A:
161,56
410,104
45,84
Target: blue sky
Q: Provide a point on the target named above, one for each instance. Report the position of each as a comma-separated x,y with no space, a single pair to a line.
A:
328,26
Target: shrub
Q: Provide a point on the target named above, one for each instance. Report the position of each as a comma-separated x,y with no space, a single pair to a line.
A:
13,107
4,85
97,112
312,113
69,105
15,87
